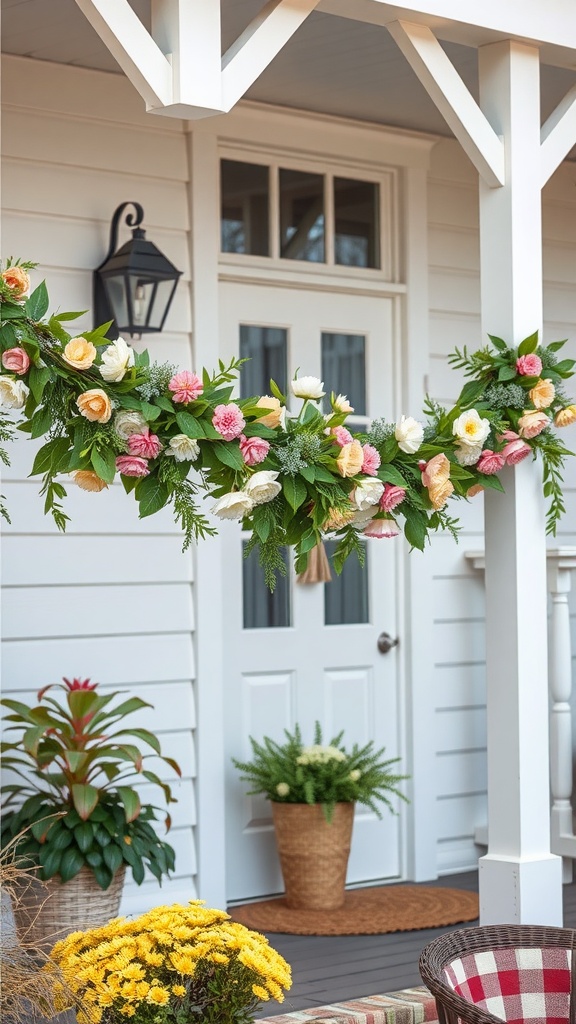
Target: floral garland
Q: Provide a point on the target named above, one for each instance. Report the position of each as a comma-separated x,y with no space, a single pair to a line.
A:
291,479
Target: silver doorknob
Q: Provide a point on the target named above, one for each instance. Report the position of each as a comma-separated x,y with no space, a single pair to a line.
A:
385,643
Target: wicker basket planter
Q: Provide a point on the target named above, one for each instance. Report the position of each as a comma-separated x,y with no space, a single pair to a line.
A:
313,853
48,911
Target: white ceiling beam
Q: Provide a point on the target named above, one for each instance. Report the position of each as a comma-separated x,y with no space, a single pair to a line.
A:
189,30
453,99
260,42
558,135
139,56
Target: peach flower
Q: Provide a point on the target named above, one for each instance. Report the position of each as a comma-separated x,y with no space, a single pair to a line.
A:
542,394
475,489
79,353
88,480
532,423
436,478
565,417
17,280
95,405
337,519
275,417
350,460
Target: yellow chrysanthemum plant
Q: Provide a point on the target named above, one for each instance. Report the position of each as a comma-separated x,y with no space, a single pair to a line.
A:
291,476
172,964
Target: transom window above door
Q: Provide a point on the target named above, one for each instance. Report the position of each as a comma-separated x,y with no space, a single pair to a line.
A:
299,215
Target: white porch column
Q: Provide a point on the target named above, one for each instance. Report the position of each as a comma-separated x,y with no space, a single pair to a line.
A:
520,880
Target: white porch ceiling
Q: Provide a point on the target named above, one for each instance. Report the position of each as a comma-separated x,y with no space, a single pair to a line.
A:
332,65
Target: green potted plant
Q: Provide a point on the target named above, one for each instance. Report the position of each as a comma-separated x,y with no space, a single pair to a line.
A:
313,790
73,812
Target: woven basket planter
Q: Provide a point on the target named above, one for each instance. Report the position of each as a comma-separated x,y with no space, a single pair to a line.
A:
313,853
48,911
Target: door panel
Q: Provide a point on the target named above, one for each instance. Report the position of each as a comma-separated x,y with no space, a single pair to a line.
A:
298,668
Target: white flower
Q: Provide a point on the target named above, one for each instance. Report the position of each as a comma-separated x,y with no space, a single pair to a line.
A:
363,516
128,422
116,359
282,789
183,448
13,393
470,428
234,505
263,486
341,404
319,754
367,493
355,774
467,454
307,387
409,434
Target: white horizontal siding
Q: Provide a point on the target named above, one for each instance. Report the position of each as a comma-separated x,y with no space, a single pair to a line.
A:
457,676
112,598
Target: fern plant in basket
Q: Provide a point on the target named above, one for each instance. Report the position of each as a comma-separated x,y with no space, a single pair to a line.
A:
70,807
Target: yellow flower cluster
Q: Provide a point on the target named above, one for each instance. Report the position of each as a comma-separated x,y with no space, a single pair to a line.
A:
162,958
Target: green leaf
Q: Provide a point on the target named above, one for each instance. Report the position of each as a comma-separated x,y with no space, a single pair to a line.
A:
112,857
498,343
390,475
152,495
555,346
104,464
41,421
69,316
308,541
50,859
471,393
294,490
103,876
37,381
61,839
229,454
85,798
164,403
37,304
529,344
150,412
72,862
94,859
81,702
131,802
564,366
491,482
84,834
415,528
189,425
506,373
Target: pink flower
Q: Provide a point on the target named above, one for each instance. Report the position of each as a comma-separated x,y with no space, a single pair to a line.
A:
529,366
490,462
254,449
228,421
146,445
532,423
342,436
185,386
132,465
16,360
371,461
382,528
391,496
515,451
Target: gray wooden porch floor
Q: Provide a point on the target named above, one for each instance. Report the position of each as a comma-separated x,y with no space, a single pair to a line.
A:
327,969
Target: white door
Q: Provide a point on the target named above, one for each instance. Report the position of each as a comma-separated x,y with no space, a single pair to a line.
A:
309,651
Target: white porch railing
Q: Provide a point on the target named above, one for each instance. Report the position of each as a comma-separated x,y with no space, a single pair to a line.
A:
561,562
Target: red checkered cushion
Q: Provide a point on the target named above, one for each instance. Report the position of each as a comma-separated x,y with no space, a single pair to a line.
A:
517,985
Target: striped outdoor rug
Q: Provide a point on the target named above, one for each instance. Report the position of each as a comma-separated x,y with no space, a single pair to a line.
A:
410,1006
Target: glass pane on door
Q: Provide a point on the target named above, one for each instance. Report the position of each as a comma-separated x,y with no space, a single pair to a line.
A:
302,216
266,349
356,223
344,368
346,596
261,608
244,214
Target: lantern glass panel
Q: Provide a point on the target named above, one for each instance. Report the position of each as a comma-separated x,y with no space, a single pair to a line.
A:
116,290
149,301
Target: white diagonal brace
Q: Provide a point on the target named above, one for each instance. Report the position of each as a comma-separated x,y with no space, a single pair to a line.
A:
453,99
129,42
257,46
189,30
558,135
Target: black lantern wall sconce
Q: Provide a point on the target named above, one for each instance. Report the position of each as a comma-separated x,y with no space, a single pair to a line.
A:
135,285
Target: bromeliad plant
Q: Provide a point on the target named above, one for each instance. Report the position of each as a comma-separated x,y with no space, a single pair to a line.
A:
73,804
291,478
326,774
171,965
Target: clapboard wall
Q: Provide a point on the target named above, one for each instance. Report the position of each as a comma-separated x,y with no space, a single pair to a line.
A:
113,599
456,589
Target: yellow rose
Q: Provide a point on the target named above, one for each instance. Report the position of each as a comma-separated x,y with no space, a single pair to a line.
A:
80,353
89,481
274,418
542,394
337,518
95,405
566,416
17,280
436,478
440,492
350,460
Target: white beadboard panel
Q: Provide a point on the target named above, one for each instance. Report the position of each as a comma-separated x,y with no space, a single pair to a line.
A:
558,221
458,817
453,205
456,291
459,641
147,662
458,599
137,899
60,560
457,855
461,773
453,330
560,263
37,612
109,512
461,685
454,248
560,300
449,163
460,729
183,812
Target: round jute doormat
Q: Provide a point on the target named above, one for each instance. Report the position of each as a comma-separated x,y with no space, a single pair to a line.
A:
374,911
